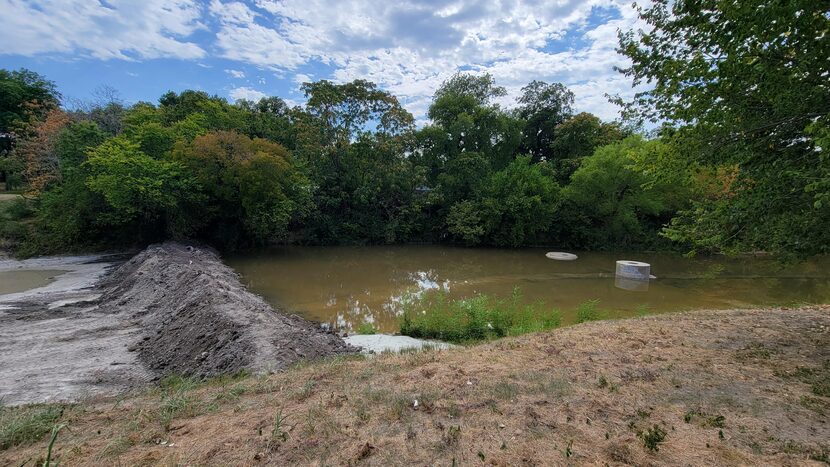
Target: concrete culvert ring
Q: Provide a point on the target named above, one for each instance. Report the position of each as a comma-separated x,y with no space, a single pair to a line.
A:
560,256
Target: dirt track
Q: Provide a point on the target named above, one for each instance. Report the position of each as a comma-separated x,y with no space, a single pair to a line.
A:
170,309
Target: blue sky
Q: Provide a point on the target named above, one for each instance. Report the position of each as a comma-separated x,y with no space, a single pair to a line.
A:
247,49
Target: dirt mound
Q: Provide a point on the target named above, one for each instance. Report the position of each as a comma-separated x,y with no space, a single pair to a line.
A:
199,320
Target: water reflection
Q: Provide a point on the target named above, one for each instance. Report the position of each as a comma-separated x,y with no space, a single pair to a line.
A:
348,286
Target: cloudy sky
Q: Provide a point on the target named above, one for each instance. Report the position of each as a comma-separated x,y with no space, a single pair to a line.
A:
248,49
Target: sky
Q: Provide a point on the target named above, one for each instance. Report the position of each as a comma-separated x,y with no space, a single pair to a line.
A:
253,48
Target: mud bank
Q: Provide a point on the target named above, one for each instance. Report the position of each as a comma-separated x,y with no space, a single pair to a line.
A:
197,319
106,326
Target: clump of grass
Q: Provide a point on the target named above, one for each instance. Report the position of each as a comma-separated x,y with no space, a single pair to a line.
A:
115,447
278,433
653,437
232,393
176,400
435,316
55,430
817,378
589,311
504,390
452,437
306,391
28,424
366,329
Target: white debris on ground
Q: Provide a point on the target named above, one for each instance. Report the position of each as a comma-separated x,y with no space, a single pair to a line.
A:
378,343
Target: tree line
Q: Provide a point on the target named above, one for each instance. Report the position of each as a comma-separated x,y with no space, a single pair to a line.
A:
736,163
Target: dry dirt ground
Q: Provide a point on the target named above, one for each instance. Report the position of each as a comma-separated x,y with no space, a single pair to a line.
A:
104,327
739,387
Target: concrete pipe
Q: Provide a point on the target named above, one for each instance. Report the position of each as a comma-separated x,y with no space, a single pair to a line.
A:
560,256
634,270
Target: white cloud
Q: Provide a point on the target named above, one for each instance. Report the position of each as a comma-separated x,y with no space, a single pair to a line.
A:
118,29
236,73
246,93
409,48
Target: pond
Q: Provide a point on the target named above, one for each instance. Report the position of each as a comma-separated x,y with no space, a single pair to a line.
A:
347,286
14,281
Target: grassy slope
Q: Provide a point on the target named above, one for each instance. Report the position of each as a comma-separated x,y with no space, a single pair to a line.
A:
726,387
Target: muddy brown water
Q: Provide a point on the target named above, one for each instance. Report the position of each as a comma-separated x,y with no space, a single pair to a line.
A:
20,281
347,286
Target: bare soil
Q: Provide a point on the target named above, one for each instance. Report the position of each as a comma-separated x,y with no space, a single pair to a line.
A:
198,320
171,309
735,387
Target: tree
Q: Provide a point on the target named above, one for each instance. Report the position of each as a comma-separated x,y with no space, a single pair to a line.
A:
343,111
74,142
19,90
514,207
609,202
745,83
143,193
523,202
578,137
26,98
543,106
216,113
270,118
36,150
463,93
251,189
469,121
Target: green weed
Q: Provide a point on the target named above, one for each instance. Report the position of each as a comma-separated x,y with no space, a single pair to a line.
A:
482,317
653,437
28,424
366,329
589,311
177,400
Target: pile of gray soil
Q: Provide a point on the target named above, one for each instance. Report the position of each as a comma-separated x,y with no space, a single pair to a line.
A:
197,319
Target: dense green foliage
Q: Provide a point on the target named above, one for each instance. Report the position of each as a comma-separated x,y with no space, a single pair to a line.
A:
740,162
745,87
25,97
348,167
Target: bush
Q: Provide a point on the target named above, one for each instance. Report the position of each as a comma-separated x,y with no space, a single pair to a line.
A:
434,316
18,209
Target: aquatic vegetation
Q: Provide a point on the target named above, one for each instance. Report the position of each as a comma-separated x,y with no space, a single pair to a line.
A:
366,329
482,317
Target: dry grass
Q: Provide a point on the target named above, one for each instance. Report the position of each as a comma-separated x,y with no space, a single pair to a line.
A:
702,388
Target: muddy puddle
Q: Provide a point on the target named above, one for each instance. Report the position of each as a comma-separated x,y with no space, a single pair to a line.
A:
21,281
349,286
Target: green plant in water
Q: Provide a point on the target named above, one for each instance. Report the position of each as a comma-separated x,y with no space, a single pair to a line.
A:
474,319
588,311
366,329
